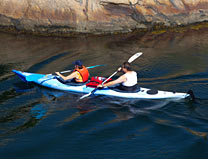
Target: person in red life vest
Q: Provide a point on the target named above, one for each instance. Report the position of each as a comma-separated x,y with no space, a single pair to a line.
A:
79,75
128,81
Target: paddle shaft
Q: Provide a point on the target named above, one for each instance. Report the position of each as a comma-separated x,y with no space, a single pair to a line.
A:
131,59
109,77
86,67
102,84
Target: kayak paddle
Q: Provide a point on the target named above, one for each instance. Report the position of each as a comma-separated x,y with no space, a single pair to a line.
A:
86,67
32,78
131,59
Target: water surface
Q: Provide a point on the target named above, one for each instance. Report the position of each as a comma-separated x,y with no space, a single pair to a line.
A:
36,122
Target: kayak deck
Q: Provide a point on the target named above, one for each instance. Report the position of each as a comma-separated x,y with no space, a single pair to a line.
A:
51,81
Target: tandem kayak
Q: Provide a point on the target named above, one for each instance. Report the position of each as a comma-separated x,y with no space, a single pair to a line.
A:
51,81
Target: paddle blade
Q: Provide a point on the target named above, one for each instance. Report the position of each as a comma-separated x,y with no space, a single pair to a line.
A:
84,96
87,95
135,56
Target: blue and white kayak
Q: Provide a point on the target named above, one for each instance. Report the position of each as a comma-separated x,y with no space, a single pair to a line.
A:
51,81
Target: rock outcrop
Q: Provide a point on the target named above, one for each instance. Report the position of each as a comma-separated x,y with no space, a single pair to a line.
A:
98,16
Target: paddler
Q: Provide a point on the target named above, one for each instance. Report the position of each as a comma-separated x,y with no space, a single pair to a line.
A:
79,75
128,81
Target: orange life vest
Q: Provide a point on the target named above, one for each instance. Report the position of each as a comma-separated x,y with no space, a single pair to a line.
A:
83,73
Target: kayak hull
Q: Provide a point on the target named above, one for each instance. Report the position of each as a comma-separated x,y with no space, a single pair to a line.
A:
50,81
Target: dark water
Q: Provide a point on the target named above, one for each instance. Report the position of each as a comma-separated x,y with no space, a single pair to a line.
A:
40,123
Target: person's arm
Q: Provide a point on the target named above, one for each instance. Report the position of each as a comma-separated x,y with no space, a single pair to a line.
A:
71,76
117,81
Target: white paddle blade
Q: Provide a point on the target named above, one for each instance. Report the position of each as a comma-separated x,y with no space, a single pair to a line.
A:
84,96
135,56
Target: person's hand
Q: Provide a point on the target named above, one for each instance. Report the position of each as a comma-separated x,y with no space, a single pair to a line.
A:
100,86
57,73
119,69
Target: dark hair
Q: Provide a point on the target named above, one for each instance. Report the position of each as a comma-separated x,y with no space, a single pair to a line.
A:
80,67
127,66
77,62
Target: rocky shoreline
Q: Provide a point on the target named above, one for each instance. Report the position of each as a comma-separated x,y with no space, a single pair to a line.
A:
72,17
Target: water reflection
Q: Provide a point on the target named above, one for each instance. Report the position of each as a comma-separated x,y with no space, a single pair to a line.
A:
46,55
123,109
17,120
38,111
173,61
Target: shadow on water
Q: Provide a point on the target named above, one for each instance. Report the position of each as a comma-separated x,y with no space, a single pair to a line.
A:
4,69
7,95
31,115
45,62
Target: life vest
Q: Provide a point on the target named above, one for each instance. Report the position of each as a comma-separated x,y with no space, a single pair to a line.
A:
95,81
83,73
